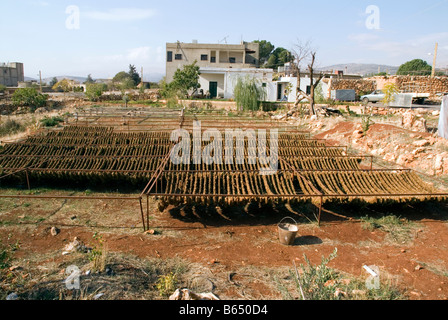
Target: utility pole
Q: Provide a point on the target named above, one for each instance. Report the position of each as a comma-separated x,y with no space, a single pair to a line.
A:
433,73
40,79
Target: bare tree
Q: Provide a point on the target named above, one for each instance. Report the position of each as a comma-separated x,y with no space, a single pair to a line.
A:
305,55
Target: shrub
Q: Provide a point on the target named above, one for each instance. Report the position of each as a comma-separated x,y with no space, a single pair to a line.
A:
51,122
95,90
29,97
248,94
11,127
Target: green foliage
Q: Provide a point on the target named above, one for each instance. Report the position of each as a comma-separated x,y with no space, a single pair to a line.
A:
51,122
121,76
278,58
11,127
185,80
314,278
29,97
64,85
166,284
398,230
95,90
266,49
2,88
89,79
415,67
98,254
53,81
5,257
248,94
390,90
134,76
366,123
319,94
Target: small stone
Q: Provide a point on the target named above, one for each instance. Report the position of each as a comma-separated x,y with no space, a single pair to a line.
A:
12,296
330,283
421,143
54,231
418,267
99,295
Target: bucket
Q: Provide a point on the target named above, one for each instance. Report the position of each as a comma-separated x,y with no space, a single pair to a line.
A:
287,232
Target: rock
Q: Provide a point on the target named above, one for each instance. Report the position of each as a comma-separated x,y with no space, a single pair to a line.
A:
54,231
99,295
418,267
390,157
421,143
41,110
404,159
436,113
418,151
357,134
75,246
12,296
438,164
313,118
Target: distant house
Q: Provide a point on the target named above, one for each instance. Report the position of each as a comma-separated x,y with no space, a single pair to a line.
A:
11,74
220,64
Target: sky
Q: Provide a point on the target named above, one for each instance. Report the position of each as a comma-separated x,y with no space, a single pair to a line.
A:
101,38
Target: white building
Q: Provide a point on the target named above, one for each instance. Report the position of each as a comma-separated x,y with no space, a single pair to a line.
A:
220,82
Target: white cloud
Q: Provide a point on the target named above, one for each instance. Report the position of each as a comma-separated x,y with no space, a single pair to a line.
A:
121,14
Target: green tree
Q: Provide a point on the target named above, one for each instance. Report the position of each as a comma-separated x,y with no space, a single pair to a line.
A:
63,86
266,49
248,94
89,79
278,58
29,97
186,80
134,76
415,67
121,76
53,81
95,90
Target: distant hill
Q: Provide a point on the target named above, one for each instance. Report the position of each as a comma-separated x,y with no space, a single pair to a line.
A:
361,69
74,78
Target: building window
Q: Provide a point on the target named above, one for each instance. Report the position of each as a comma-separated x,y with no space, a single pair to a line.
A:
169,56
213,59
178,56
232,60
204,57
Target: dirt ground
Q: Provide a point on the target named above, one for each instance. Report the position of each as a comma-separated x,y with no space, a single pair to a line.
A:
237,251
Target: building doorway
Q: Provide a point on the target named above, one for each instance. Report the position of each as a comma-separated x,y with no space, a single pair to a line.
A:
213,89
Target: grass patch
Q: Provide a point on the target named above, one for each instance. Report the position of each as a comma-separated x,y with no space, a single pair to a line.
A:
10,127
319,282
399,230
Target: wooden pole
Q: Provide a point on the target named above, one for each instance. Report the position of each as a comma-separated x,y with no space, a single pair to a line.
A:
433,73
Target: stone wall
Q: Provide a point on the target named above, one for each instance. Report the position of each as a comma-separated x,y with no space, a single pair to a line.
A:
418,84
360,86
